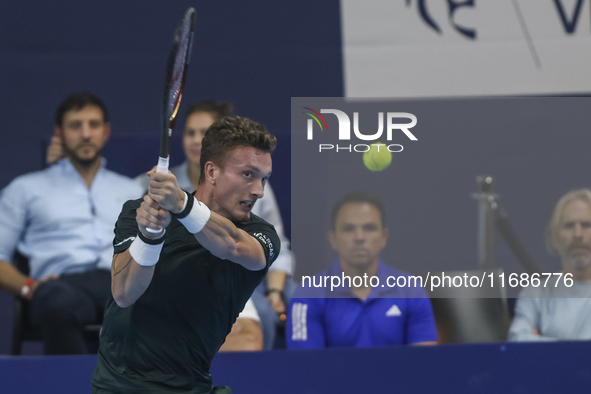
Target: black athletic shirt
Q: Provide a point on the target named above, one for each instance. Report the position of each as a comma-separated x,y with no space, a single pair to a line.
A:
166,340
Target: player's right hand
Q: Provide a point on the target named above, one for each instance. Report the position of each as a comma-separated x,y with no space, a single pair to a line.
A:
150,214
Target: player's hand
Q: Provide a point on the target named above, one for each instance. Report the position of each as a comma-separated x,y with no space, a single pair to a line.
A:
150,214
55,150
165,190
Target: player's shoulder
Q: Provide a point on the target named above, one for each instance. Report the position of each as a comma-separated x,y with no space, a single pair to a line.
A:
256,220
256,223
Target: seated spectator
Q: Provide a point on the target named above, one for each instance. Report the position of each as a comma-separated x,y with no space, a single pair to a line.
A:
61,219
270,295
559,309
361,316
246,334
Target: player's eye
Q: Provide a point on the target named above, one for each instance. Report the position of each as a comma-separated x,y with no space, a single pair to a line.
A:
248,174
95,124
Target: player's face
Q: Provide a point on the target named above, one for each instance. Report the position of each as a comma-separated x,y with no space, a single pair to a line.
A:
573,239
84,134
195,128
241,182
358,236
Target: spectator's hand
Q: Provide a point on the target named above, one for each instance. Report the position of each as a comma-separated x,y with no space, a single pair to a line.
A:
39,282
55,150
276,302
165,190
150,214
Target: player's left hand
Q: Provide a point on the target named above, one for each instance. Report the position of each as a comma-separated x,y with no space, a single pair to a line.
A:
150,214
165,190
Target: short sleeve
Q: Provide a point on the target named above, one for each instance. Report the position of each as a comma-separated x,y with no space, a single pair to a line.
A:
421,322
126,228
305,328
268,238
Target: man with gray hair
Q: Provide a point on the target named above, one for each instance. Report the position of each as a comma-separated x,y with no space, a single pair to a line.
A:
557,311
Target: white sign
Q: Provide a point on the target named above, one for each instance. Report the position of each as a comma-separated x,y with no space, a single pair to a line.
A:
426,48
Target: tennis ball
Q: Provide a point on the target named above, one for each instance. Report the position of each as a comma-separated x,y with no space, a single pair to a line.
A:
378,157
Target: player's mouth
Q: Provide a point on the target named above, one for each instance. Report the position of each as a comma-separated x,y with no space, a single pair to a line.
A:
247,204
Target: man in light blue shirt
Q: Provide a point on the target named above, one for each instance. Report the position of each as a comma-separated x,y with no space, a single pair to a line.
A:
559,308
61,219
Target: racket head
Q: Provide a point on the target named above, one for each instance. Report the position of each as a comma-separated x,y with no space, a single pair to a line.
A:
176,73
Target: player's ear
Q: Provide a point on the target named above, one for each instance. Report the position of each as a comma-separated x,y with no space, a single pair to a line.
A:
57,131
211,172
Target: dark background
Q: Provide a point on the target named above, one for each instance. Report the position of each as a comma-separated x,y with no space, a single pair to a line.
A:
257,54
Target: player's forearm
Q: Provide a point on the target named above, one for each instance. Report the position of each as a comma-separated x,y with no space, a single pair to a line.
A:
129,280
11,279
224,240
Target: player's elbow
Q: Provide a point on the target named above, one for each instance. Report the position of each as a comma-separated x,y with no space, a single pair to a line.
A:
122,298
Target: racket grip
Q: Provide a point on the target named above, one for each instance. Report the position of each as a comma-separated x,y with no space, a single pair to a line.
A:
162,164
161,167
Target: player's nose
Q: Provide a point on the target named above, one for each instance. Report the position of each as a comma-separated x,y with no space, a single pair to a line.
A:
258,189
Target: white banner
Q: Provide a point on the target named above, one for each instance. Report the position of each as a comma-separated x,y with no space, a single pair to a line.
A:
425,48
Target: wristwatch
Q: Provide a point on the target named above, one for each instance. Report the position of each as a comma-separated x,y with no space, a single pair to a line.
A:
26,289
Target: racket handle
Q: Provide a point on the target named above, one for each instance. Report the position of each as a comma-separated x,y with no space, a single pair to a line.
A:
161,167
162,164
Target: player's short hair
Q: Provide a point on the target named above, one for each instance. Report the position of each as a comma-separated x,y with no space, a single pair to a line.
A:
554,225
358,197
77,101
229,133
216,110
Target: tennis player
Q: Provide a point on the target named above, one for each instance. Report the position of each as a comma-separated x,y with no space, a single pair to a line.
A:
176,294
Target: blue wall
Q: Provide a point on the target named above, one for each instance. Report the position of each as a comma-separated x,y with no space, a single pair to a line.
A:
493,368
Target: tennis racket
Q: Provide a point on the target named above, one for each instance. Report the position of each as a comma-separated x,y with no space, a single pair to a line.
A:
174,83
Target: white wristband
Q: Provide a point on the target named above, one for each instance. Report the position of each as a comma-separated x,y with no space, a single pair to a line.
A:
143,253
197,217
